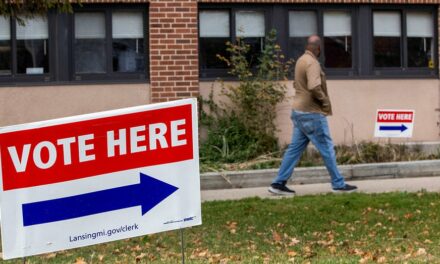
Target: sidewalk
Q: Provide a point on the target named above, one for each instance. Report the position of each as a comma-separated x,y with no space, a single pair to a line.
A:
430,184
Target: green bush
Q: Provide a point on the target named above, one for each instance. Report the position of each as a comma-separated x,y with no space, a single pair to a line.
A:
245,128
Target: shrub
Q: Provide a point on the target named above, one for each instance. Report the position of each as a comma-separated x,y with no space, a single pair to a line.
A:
245,128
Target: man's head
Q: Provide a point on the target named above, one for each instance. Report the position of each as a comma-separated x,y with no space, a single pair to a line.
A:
314,45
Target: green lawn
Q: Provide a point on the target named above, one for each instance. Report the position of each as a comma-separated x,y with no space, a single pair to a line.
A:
355,228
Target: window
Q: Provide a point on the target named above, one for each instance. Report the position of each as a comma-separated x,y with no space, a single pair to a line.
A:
387,39
24,49
128,42
98,43
420,34
90,50
249,27
358,41
109,43
337,39
302,24
32,46
404,40
5,46
334,30
218,26
214,33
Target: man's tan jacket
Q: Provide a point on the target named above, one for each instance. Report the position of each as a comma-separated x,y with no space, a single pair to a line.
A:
310,86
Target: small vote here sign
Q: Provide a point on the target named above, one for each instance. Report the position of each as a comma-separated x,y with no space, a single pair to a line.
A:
394,123
100,177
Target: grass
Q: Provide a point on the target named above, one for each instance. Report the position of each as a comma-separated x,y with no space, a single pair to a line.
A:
354,228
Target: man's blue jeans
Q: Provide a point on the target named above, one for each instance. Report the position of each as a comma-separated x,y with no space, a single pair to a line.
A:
310,127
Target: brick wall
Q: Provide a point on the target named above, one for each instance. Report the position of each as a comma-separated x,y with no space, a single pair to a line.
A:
173,49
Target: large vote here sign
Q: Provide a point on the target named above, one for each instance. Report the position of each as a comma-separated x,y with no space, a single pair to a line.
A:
100,177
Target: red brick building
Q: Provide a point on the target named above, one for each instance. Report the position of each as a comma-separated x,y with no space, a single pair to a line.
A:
111,54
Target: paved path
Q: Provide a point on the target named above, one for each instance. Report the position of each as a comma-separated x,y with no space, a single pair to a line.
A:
430,184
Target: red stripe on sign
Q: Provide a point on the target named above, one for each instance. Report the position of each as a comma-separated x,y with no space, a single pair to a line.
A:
395,117
88,148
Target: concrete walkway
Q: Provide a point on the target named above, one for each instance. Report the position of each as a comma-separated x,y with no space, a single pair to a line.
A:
430,184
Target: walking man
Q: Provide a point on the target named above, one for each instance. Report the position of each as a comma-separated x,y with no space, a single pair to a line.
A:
310,108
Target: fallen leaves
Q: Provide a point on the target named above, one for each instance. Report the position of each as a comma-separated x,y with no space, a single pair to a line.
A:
308,252
208,257
136,248
420,252
232,227
276,237
80,260
202,254
427,241
293,242
408,216
140,257
382,260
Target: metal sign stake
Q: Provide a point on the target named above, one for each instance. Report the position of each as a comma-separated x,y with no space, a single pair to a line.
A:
182,245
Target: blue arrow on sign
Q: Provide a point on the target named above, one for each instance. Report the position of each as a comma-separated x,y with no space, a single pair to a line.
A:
393,128
147,194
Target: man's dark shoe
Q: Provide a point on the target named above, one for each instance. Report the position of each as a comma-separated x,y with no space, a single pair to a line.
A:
346,189
281,189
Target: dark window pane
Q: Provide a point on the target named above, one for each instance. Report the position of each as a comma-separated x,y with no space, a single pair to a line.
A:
337,39
302,24
128,55
32,46
256,46
5,57
90,44
90,56
387,52
209,49
420,53
297,47
32,56
5,46
128,41
387,37
337,52
250,28
420,33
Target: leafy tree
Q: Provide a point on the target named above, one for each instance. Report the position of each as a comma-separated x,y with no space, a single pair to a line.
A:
29,8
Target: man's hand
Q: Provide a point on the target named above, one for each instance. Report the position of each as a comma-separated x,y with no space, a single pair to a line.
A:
322,98
326,105
319,95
